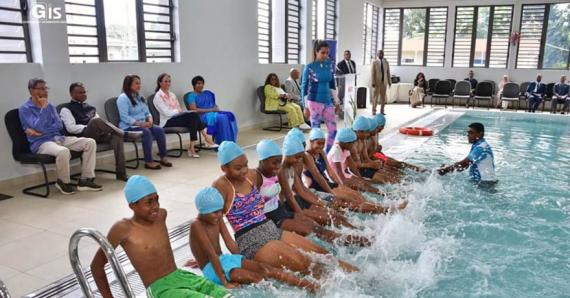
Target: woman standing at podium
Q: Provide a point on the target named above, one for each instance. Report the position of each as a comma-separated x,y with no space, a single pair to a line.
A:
318,90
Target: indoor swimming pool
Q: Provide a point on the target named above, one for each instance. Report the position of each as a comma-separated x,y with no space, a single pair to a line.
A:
456,240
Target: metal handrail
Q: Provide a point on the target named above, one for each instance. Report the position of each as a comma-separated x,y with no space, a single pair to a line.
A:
109,253
4,291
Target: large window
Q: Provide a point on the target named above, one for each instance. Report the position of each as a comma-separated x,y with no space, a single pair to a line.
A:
482,36
370,32
415,36
544,41
120,30
279,31
324,14
14,37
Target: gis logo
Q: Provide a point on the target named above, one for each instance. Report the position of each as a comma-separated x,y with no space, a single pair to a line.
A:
43,11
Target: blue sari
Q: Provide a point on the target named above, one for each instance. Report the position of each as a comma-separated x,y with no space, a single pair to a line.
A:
222,125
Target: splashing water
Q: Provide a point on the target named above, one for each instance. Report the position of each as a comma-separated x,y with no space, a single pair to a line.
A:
456,240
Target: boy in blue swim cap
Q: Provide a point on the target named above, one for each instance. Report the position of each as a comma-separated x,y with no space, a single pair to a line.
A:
144,237
231,269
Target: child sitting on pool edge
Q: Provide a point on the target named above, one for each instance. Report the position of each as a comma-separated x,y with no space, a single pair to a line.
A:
144,237
232,269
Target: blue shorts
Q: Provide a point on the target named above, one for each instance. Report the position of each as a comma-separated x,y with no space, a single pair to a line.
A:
229,262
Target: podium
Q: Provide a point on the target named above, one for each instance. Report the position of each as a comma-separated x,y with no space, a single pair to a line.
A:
347,83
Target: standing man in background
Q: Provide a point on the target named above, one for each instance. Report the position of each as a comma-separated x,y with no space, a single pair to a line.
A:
381,81
346,66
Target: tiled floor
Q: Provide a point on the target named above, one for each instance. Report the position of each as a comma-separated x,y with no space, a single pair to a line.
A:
34,232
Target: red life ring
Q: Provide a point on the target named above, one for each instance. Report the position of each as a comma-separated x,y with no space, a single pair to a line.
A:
416,131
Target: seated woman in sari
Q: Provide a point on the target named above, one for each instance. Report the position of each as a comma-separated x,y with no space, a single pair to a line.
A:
222,125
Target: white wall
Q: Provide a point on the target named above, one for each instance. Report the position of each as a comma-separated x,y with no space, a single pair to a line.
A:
408,73
218,39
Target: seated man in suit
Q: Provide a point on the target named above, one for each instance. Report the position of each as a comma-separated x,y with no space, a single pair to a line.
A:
81,119
292,86
43,128
561,90
535,93
471,79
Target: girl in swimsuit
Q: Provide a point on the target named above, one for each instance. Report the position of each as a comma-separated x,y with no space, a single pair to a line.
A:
320,177
270,157
257,237
301,200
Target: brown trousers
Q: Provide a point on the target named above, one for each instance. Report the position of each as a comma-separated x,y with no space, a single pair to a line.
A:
102,131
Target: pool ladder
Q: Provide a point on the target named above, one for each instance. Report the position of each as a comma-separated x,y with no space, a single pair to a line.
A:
109,253
4,291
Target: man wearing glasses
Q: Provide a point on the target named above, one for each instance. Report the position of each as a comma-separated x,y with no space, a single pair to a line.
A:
480,161
42,126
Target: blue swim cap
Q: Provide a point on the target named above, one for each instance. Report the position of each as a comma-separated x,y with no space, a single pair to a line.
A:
297,133
346,135
229,151
360,124
372,125
316,134
209,200
138,187
292,146
266,149
380,119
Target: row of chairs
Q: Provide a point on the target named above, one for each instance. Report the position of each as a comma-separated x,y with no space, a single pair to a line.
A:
21,147
442,90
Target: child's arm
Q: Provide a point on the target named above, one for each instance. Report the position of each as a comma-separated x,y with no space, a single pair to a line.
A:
228,240
351,164
117,234
204,243
331,173
339,171
312,168
286,190
300,189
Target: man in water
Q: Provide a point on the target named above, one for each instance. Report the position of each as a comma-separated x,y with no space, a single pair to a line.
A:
480,161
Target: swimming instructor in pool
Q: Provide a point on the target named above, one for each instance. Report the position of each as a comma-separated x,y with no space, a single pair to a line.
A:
480,160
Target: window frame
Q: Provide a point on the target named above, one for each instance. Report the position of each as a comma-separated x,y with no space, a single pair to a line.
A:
474,35
541,50
327,19
142,48
298,30
374,36
426,35
268,49
23,10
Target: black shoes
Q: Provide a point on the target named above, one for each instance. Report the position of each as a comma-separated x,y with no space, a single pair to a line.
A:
65,188
88,185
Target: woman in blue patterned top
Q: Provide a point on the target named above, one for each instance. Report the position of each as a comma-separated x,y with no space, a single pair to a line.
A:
318,91
134,115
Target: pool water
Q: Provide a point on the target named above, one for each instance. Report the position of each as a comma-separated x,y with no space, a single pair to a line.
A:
456,240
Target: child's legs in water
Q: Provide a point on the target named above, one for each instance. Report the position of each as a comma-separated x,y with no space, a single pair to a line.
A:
307,245
279,254
325,216
267,271
244,275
